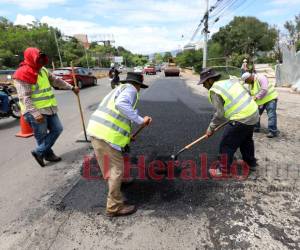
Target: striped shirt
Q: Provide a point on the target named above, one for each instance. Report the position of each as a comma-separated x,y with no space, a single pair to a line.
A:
24,93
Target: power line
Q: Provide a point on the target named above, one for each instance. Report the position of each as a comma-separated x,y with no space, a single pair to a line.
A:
217,3
224,4
237,6
230,4
217,10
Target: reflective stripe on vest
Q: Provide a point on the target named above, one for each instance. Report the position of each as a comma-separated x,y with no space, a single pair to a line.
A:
110,125
271,95
237,102
42,95
107,122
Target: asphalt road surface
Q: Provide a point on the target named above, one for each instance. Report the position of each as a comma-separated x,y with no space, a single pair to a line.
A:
55,208
23,182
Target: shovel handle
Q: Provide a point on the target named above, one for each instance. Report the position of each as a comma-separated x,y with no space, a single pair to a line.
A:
204,136
79,102
138,131
73,75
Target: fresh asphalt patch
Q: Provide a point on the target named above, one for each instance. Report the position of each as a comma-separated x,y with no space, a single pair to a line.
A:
174,125
237,216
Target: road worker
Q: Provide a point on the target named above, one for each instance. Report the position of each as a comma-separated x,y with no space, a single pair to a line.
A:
232,102
38,103
110,128
244,67
265,95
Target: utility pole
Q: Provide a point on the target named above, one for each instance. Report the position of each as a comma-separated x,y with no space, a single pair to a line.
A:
61,64
87,60
205,31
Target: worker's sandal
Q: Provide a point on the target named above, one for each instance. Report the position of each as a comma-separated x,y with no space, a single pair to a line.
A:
123,211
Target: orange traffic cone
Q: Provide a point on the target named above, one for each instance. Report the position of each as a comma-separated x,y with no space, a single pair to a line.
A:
26,130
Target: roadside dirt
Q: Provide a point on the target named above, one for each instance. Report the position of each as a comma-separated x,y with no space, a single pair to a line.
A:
272,202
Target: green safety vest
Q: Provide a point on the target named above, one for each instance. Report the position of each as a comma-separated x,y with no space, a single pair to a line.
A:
238,104
42,95
271,95
107,122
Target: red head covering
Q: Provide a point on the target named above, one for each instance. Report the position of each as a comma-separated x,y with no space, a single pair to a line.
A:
30,67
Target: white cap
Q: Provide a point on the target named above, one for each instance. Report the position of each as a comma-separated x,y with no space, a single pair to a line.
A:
245,60
112,65
245,76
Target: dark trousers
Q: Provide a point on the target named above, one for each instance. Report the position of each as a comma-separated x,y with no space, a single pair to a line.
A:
238,135
271,107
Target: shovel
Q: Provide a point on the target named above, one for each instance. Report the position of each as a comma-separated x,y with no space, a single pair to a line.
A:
133,137
174,156
137,132
80,108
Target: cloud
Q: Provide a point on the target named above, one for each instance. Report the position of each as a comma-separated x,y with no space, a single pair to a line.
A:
33,4
140,39
142,26
169,11
24,19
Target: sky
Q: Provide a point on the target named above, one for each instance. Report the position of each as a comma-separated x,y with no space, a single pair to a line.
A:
142,26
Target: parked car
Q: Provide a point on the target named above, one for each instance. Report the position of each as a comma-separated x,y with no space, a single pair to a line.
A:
150,70
138,69
83,76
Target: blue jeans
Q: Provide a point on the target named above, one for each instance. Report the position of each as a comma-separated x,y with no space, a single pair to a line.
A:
4,102
45,133
271,107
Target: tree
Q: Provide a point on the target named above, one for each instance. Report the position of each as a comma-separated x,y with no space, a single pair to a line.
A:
167,56
293,28
16,38
245,35
158,58
190,58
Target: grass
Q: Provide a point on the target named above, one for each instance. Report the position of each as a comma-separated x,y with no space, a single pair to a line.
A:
227,71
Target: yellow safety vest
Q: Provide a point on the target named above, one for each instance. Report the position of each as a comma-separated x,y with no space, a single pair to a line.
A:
107,122
238,104
42,94
271,95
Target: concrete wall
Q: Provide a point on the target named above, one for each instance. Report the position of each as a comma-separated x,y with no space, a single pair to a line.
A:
288,73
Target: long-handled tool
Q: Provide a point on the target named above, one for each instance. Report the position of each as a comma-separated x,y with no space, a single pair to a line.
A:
138,131
127,147
79,106
174,156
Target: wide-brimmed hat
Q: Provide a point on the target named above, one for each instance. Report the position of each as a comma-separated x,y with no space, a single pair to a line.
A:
133,77
207,74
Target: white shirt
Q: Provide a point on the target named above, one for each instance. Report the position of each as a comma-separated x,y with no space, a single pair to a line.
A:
125,100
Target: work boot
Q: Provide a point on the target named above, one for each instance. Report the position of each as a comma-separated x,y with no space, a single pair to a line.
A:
123,211
52,157
271,135
38,158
